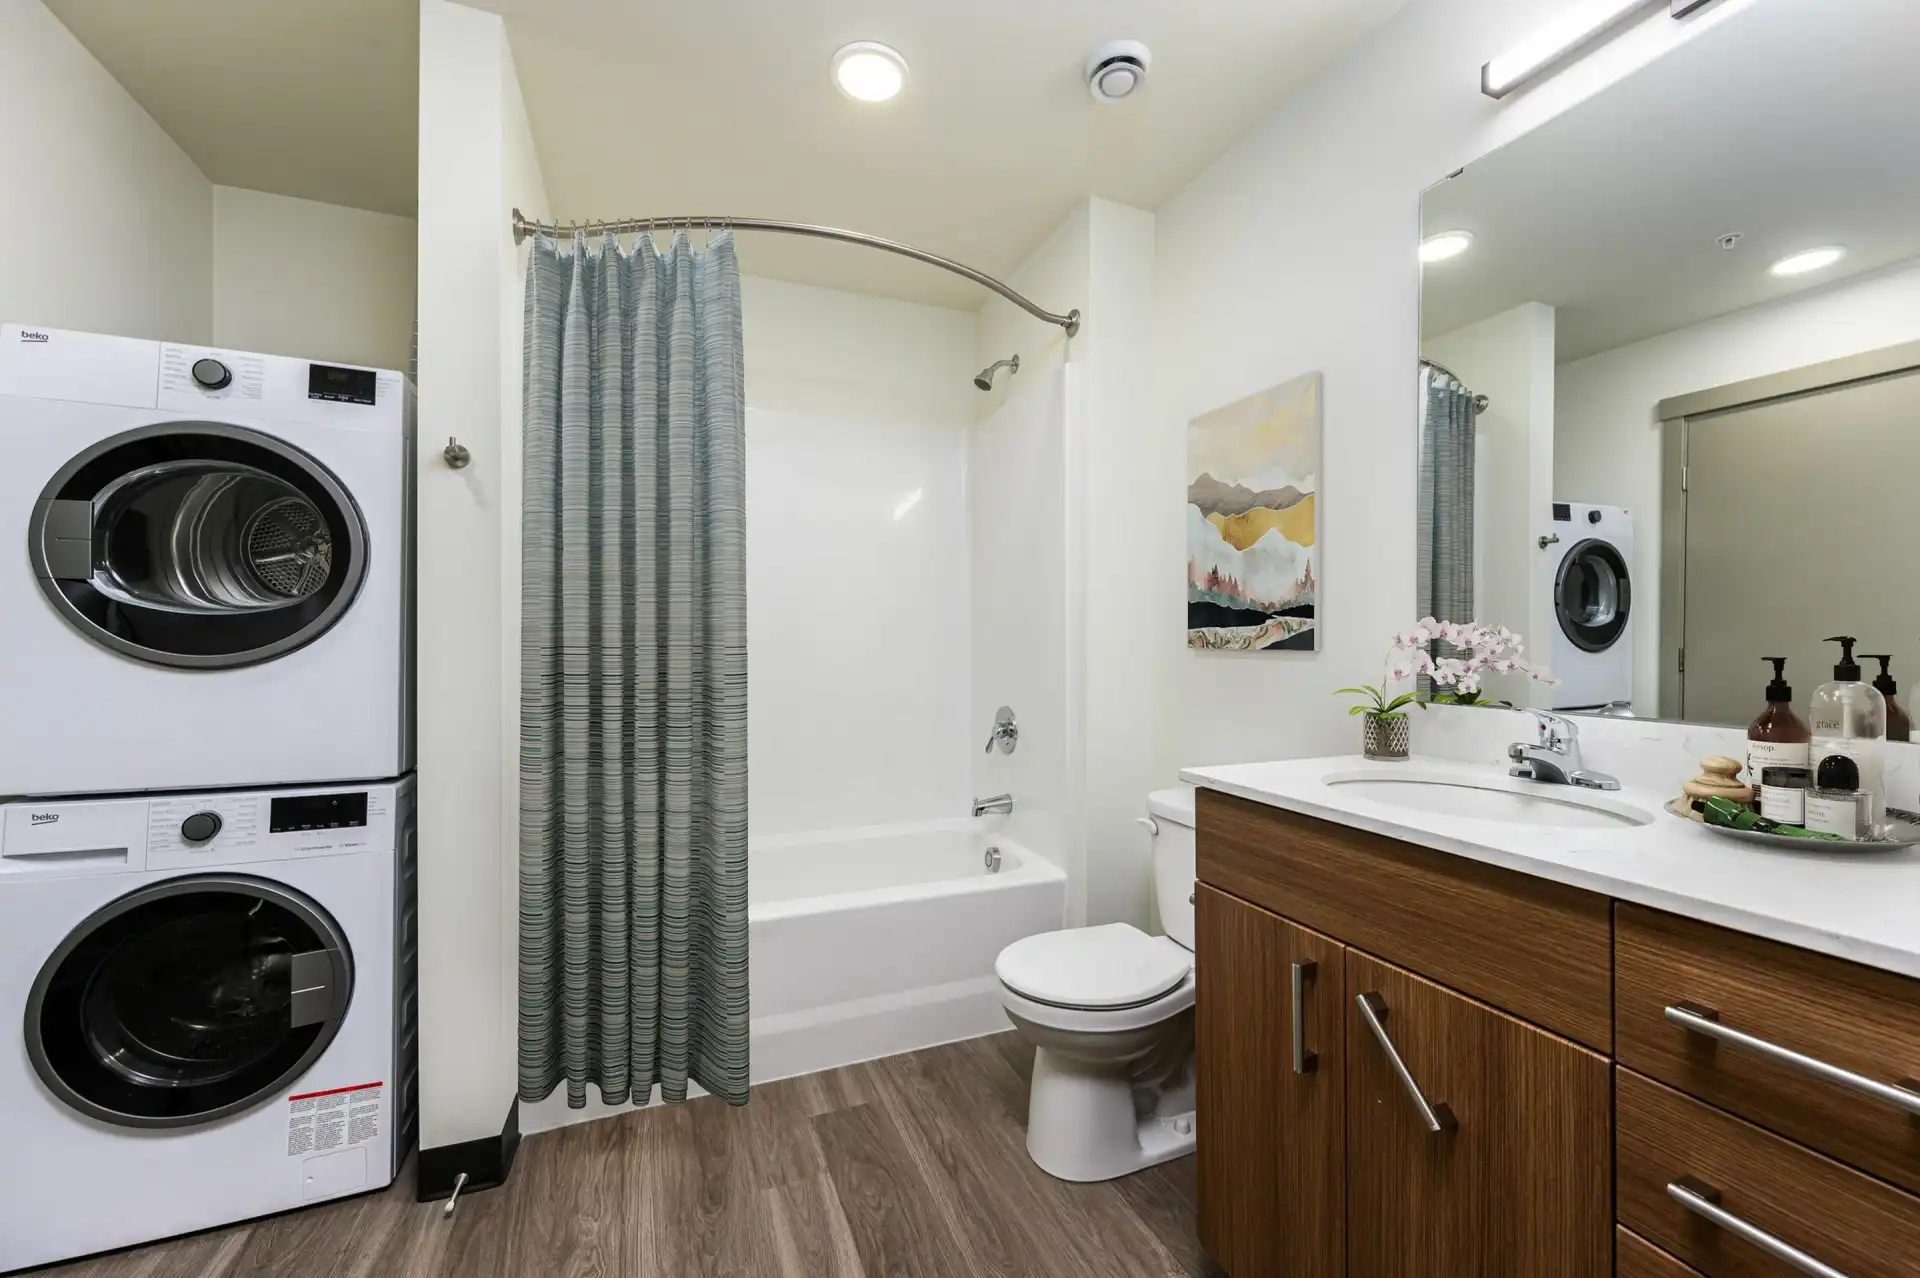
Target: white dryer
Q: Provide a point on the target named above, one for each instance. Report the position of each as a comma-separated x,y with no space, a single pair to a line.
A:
1589,577
204,567
212,998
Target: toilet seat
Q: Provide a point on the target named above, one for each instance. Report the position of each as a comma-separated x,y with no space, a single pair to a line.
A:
1102,1021
1110,968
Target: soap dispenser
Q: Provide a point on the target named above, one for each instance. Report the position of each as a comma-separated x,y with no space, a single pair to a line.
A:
1850,717
1899,726
1778,738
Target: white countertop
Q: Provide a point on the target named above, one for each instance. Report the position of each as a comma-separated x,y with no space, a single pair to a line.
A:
1863,906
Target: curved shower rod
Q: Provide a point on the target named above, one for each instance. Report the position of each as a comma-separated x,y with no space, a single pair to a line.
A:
523,227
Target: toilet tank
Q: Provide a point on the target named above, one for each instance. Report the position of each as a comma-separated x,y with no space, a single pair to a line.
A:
1174,866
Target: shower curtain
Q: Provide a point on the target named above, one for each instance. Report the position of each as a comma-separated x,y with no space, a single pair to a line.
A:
1446,497
633,691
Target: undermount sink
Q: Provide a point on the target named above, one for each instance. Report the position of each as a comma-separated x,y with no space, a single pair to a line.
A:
1511,799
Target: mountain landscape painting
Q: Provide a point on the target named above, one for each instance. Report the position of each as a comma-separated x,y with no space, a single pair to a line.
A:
1253,562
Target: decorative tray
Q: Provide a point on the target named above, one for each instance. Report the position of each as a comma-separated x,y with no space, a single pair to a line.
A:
1902,828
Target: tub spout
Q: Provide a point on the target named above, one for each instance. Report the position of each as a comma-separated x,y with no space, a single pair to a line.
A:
999,805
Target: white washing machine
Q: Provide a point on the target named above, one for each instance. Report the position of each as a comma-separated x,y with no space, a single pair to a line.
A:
1589,576
212,1003
204,567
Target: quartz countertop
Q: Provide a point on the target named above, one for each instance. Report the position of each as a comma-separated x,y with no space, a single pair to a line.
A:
1863,906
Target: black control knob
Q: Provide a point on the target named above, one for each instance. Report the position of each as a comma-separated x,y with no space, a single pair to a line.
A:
212,374
200,827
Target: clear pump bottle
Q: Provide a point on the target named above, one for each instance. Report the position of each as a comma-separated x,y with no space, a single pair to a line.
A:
1849,717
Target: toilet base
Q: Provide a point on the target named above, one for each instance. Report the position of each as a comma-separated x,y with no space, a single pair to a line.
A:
1086,1124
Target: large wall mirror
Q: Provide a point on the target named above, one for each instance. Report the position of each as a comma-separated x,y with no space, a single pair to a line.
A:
1670,374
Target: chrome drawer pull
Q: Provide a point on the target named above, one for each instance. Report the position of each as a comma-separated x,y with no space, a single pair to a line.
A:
1437,1117
1703,1200
1304,1062
1706,1021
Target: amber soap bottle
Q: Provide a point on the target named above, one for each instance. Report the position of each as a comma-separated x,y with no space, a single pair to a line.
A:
1779,738
1899,725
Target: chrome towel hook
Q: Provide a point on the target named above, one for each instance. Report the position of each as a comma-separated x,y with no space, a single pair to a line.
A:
456,453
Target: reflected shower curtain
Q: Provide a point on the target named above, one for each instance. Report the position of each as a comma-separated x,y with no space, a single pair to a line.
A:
633,689
1446,497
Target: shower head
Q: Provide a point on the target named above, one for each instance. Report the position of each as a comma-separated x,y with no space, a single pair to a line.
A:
985,380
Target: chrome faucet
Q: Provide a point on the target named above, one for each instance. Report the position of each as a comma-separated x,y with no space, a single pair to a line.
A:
1005,733
1553,756
998,805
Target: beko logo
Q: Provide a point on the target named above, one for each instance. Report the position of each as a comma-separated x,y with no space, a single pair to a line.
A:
28,335
42,818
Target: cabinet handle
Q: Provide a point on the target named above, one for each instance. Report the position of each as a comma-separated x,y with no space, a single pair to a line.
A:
1304,1062
1705,1021
1437,1117
1703,1200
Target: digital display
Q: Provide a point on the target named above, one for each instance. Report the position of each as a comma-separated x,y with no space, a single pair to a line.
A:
343,385
296,812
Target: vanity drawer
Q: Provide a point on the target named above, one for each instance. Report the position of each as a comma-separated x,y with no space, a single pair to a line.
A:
1804,1200
1855,1019
1635,1257
1540,950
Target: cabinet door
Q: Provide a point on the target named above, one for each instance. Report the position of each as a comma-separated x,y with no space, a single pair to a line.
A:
1477,1145
1271,1164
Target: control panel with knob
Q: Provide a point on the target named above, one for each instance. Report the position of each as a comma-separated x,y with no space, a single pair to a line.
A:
200,827
211,374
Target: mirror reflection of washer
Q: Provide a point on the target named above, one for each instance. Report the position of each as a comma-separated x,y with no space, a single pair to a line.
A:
215,997
1589,572
215,547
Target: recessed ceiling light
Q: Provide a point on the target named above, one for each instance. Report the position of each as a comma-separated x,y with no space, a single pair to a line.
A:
867,71
1447,244
1812,260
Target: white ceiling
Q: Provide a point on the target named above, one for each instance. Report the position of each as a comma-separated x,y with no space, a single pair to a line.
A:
311,98
1792,125
725,107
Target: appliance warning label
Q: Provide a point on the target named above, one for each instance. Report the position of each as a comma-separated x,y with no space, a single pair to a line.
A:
337,1119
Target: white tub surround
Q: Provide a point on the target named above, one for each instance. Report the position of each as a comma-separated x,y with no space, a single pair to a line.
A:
1859,906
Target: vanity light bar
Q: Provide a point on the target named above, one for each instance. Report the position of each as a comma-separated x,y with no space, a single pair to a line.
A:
1575,29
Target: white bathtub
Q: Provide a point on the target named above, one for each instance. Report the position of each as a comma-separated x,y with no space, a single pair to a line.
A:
867,942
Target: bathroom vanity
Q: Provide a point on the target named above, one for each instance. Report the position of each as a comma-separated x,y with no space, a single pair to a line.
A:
1442,1044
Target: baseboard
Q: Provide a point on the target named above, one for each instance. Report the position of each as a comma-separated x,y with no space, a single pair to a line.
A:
487,1162
816,1039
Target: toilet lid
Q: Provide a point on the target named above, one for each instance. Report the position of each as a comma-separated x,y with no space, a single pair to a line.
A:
1114,965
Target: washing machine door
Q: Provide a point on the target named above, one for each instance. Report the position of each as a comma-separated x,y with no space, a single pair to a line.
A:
198,544
188,1000
1593,595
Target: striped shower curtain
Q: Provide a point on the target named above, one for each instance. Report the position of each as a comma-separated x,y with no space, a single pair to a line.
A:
633,690
1445,559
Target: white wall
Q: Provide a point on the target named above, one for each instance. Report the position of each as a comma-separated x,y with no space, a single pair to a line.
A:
1608,447
1509,359
1296,251
1095,693
318,281
477,163
109,222
857,558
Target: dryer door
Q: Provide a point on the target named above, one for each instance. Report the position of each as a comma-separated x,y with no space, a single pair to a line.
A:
188,1000
1593,595
198,544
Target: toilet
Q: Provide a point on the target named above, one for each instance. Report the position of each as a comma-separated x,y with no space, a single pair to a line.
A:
1109,1011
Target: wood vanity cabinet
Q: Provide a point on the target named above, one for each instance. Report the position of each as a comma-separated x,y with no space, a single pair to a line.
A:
1436,1094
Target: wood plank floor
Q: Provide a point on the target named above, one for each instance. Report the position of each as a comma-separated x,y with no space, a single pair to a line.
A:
915,1165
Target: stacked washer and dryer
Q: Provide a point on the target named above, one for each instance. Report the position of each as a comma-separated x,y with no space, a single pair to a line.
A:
206,813
1588,573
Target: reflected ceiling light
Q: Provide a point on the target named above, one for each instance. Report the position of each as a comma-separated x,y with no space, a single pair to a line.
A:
1445,245
907,503
1805,263
1579,25
867,71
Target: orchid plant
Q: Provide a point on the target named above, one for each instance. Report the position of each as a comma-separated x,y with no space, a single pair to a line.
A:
1481,650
